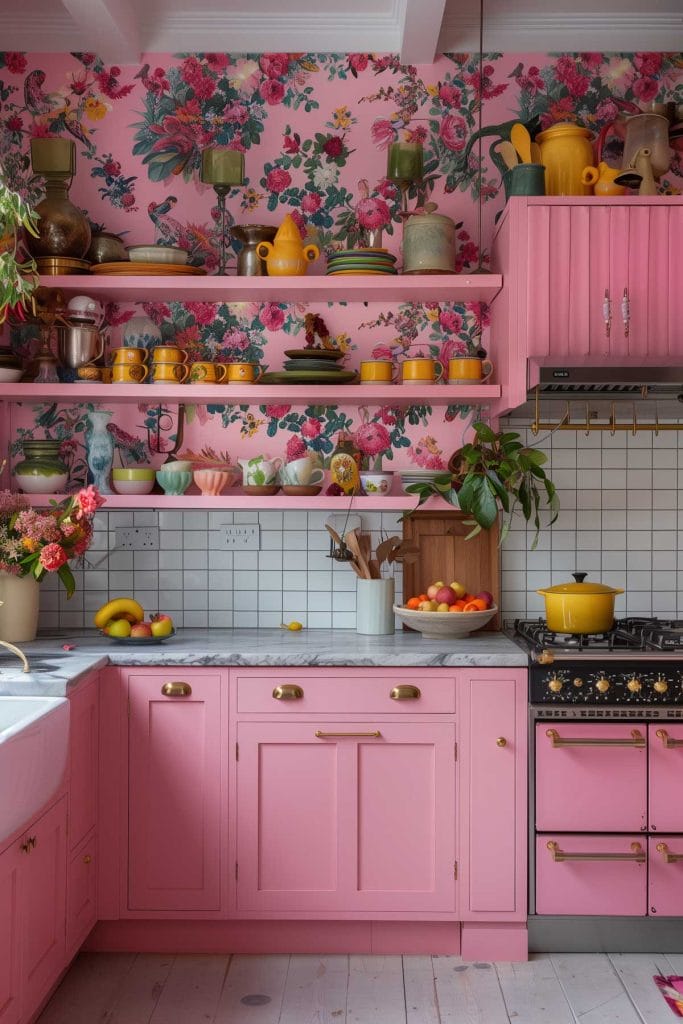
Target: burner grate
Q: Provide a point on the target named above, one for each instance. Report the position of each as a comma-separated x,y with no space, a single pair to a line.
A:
627,635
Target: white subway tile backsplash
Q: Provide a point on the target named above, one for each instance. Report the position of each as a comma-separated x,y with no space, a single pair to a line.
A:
195,579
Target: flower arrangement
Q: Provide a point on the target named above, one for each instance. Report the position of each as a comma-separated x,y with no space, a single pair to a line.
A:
37,542
17,278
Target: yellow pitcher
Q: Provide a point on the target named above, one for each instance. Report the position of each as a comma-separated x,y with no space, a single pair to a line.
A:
287,255
565,151
602,179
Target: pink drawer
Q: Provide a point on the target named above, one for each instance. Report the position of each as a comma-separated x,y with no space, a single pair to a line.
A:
665,896
591,783
338,690
666,771
585,886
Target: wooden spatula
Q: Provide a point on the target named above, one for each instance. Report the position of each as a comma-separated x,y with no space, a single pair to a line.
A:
508,153
536,153
521,140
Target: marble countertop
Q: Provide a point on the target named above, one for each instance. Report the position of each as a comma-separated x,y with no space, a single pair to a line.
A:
54,669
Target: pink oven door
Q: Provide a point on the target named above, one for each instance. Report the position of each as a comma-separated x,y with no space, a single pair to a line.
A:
598,875
666,774
665,893
591,776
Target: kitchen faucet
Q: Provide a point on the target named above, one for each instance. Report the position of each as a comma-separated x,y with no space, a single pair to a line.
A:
15,650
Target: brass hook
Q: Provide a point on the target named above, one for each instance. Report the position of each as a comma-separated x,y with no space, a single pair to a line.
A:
537,411
613,420
588,420
634,428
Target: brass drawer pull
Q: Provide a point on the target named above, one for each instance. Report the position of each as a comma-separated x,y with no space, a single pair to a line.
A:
176,689
405,691
558,855
29,844
670,858
87,859
288,691
501,742
663,735
637,740
364,735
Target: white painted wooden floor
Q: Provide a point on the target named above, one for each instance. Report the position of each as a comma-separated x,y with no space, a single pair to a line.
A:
103,988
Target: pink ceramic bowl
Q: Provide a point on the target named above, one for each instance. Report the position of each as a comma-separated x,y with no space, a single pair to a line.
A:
214,481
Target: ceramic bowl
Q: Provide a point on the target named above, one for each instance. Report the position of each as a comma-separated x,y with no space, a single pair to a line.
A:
132,486
442,625
173,483
376,483
214,481
9,375
177,466
134,473
157,254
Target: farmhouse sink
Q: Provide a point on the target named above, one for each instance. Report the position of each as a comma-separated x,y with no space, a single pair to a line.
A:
34,738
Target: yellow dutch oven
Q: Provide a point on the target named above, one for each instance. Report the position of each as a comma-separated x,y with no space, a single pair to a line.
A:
580,607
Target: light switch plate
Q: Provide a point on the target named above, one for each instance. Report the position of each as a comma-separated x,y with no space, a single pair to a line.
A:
241,536
137,538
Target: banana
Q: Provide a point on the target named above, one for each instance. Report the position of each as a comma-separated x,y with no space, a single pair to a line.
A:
116,609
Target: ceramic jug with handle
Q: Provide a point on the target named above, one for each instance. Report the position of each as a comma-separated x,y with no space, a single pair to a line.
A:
602,179
259,471
565,150
286,255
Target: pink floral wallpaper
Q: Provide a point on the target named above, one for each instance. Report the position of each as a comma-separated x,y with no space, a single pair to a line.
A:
314,129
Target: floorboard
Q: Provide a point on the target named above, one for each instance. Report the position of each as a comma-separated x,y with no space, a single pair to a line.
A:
532,993
375,993
636,971
468,993
192,990
144,984
315,990
89,990
420,989
249,977
594,989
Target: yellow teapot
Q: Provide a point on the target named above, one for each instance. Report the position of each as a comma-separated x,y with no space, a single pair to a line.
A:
286,255
602,179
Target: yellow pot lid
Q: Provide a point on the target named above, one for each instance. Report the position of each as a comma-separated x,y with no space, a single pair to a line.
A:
579,587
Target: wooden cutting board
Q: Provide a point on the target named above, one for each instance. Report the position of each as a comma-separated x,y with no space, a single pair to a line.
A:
444,554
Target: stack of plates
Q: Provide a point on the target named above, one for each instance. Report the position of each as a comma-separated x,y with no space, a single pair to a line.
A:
361,261
133,269
311,366
419,476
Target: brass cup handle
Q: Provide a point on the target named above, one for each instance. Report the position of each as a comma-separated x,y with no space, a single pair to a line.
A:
663,735
637,855
637,740
406,691
670,858
361,735
87,859
288,691
501,742
176,690
29,844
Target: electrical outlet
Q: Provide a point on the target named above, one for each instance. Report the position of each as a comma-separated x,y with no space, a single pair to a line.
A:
137,538
242,536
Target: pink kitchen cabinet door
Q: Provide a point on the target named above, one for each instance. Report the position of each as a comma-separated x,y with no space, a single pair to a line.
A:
10,924
605,885
567,796
492,763
81,894
174,790
665,889
665,746
83,746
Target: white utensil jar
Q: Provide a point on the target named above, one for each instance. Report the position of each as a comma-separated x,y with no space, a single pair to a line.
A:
374,607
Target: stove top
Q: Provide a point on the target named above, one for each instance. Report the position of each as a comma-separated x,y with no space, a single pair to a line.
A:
628,636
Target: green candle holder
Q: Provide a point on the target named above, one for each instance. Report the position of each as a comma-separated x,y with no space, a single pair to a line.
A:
405,165
224,169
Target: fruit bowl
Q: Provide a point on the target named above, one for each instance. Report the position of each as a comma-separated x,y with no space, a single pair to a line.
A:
133,640
444,625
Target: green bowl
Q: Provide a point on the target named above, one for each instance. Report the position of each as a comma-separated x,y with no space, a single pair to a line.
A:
134,473
173,483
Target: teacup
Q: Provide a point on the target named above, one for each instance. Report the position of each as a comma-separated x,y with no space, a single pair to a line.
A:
130,355
243,373
301,473
207,373
259,471
469,370
128,373
168,354
377,371
421,370
168,373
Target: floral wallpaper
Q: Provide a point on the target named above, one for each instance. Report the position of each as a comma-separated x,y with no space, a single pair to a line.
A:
314,129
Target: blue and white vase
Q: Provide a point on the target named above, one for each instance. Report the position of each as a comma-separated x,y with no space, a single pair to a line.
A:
141,332
99,449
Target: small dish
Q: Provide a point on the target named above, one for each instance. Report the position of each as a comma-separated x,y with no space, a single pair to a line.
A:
9,375
132,486
264,491
157,254
133,473
376,483
303,490
177,466
173,483
212,482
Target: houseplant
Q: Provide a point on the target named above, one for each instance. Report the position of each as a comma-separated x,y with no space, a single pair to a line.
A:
34,543
17,278
495,473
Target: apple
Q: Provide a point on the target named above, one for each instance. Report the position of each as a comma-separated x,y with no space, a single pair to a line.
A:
432,591
458,589
118,627
141,629
446,595
427,606
442,606
486,595
161,625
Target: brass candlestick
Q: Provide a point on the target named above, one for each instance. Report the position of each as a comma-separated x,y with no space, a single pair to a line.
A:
224,169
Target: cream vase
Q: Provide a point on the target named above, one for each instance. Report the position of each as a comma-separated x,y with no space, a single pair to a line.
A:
19,597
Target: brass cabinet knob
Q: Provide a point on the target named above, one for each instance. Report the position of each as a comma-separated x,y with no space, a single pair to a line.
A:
87,859
578,682
602,685
545,657
405,691
176,690
288,691
555,685
501,742
29,844
661,685
634,685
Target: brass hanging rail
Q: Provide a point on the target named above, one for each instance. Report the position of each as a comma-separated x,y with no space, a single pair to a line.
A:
588,425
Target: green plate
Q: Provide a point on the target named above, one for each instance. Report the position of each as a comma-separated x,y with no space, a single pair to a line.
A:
360,263
367,253
314,353
310,377
309,364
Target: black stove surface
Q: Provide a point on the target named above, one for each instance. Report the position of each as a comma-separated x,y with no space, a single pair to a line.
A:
630,634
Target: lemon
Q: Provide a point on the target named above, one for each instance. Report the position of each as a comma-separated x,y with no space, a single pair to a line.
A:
294,627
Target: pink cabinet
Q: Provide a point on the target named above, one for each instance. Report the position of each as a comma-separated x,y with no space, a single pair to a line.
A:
10,914
174,790
83,758
665,775
81,894
665,890
591,874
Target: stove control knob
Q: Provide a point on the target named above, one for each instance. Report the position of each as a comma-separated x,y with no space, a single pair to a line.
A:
634,685
555,685
578,682
661,685
602,685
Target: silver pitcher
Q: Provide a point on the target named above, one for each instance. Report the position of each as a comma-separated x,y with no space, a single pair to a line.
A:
79,344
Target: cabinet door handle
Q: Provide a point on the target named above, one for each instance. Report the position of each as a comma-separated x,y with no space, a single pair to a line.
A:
365,735
501,742
558,855
405,691
626,312
637,740
670,858
663,735
87,859
176,689
29,844
607,313
288,691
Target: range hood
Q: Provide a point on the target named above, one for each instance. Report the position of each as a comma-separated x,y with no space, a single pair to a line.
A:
612,383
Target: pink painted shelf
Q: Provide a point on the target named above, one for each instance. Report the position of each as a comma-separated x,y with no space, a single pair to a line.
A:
394,502
256,394
179,288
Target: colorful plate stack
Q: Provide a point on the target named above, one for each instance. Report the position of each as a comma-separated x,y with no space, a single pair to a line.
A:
311,366
361,261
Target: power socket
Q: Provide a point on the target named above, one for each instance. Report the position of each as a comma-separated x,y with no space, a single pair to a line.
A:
242,537
137,538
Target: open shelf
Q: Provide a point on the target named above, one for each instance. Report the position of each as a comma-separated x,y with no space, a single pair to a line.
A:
394,502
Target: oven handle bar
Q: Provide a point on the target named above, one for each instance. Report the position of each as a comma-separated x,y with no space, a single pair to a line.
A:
670,858
663,735
558,855
637,740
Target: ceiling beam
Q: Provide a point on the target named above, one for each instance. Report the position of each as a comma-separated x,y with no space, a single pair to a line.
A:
109,27
421,30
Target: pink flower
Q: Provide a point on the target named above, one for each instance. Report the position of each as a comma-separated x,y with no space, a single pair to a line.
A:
382,352
272,91
450,96
15,62
453,132
386,188
291,143
275,65
311,427
112,168
645,89
127,200
333,146
89,500
647,63
426,454
372,439
272,317
382,132
295,449
218,61
52,557
204,88
591,60
276,412
190,69
300,222
311,202
358,61
82,545
606,111
278,180
452,348
236,113
387,416
203,312
372,213
14,123
450,321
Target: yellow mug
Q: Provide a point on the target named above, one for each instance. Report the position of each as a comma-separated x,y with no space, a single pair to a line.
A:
208,373
128,373
421,370
130,355
469,370
377,371
243,373
168,354
168,373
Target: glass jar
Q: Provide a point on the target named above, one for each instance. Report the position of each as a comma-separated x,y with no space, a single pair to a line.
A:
42,470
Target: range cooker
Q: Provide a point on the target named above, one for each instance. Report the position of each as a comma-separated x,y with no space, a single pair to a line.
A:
605,786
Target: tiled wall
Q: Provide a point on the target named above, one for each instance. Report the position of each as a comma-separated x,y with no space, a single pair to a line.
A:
620,519
199,584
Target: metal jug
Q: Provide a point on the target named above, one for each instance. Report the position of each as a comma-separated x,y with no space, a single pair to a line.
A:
78,344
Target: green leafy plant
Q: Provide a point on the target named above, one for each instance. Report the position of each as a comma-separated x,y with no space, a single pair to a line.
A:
495,473
18,274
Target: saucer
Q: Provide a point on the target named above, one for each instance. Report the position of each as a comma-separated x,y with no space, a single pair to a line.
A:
259,491
303,490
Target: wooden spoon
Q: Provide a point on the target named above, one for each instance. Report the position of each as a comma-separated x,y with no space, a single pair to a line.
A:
521,140
536,153
508,153
352,543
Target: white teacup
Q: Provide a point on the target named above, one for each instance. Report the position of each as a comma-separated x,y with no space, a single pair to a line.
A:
301,473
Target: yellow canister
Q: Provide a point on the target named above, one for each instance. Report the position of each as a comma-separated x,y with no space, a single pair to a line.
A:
565,150
580,607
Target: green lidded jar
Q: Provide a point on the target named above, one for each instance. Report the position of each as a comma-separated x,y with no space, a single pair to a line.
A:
42,470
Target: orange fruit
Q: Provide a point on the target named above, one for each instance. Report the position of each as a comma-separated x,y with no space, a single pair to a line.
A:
454,608
413,602
475,605
422,597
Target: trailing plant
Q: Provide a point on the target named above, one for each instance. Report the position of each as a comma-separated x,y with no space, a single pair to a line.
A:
18,272
495,473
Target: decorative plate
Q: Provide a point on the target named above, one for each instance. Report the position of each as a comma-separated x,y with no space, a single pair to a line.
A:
359,272
310,377
306,364
133,640
314,353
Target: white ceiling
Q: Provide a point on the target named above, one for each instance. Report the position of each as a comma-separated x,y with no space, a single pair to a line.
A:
120,30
